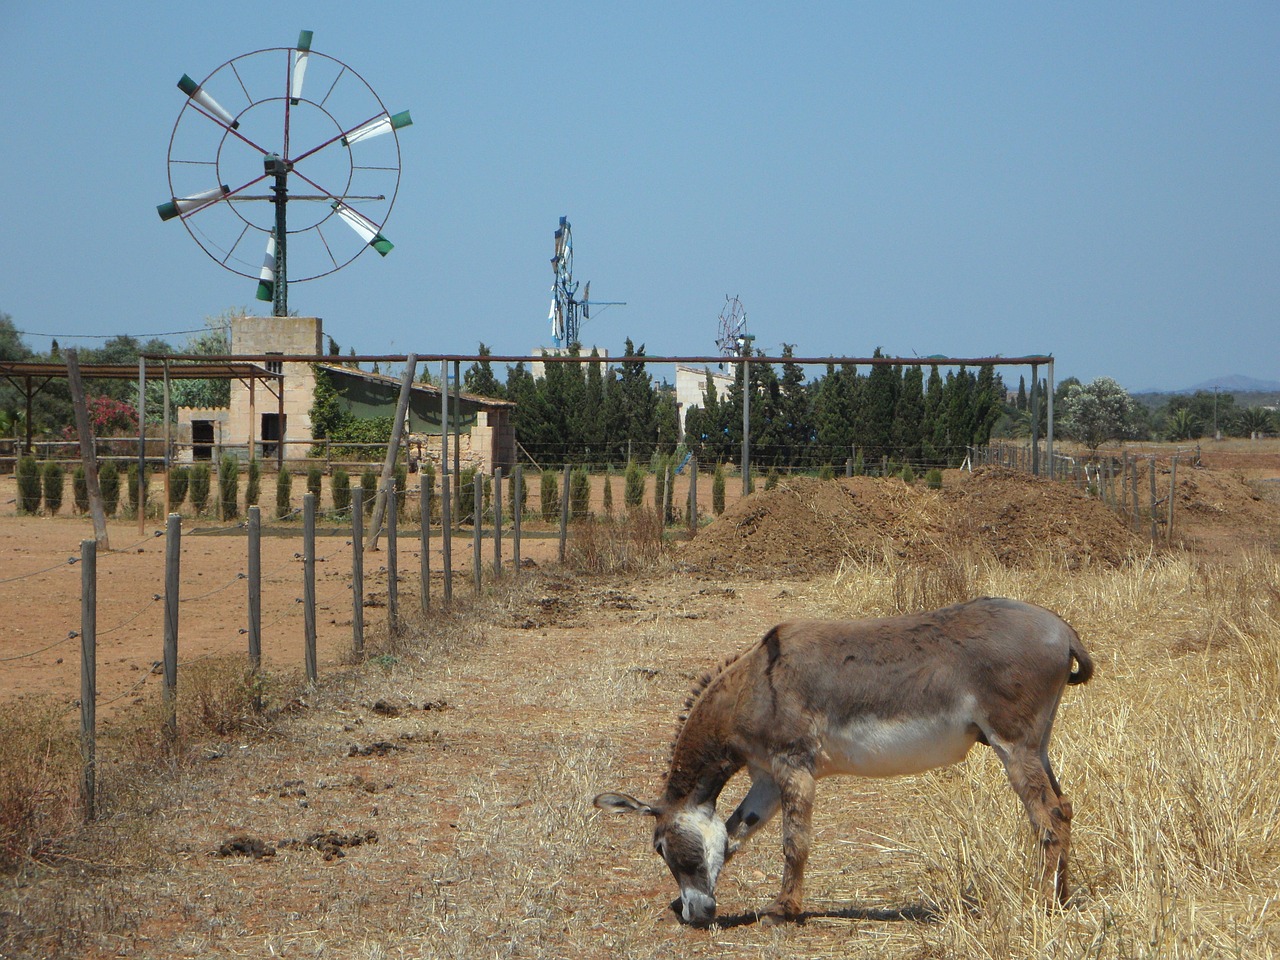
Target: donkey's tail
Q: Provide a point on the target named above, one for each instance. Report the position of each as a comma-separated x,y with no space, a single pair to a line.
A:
1084,662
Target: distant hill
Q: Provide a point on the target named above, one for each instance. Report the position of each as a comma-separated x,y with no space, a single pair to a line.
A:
1233,383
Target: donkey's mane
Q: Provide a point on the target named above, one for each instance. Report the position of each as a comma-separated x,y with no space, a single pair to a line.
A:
699,690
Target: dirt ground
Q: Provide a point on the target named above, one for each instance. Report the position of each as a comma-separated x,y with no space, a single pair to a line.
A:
801,528
386,807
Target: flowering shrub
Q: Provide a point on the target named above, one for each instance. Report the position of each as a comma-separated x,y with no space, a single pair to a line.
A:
107,417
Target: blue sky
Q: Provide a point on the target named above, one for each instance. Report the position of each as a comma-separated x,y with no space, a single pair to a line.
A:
1098,181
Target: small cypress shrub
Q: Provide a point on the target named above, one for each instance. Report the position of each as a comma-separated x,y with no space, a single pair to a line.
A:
229,487
80,489
133,487
467,495
580,493
199,487
28,485
340,490
400,477
53,478
109,487
607,504
659,484
826,472
179,480
369,480
284,494
908,475
253,485
550,496
771,478
933,479
315,479
717,490
633,485
524,493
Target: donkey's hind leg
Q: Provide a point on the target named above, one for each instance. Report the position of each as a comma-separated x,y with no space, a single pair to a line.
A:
1033,781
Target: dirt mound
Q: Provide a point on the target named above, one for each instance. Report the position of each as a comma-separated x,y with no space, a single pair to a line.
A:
1217,511
807,526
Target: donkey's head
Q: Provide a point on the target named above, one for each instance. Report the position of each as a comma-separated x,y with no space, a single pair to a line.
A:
693,842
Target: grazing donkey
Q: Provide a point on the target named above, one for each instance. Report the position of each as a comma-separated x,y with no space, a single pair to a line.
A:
874,698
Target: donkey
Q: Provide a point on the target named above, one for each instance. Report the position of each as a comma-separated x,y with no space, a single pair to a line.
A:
873,698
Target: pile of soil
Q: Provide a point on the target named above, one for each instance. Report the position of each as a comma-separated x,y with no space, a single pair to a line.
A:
806,526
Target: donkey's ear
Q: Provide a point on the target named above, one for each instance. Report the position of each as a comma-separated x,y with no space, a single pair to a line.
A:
624,803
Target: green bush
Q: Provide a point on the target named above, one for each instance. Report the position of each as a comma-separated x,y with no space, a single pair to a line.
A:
80,489
933,479
467,495
201,478
179,480
369,480
659,464
284,494
907,474
400,477
771,478
109,487
315,480
340,490
633,485
550,496
229,487
28,485
253,485
53,479
826,472
717,490
607,500
136,496
580,493
524,493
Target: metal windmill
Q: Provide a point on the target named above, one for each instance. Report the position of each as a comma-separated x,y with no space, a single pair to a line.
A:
733,340
567,311
264,127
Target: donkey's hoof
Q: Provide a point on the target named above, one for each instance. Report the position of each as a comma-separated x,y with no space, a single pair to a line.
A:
777,913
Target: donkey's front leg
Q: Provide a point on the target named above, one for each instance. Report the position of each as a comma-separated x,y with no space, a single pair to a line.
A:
756,809
797,786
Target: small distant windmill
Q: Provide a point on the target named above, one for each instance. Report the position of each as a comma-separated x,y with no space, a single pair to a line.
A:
263,129
567,311
733,339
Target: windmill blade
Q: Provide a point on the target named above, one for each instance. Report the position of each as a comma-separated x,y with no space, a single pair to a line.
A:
300,57
378,126
365,227
267,276
182,206
201,96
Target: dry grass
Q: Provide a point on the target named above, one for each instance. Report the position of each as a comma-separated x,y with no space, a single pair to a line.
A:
514,710
39,780
612,546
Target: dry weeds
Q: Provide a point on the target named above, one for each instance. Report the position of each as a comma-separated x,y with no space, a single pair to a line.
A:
507,714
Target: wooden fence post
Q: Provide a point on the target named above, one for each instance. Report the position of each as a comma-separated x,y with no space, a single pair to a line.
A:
393,566
446,534
309,583
357,570
255,588
477,524
172,563
564,512
89,675
517,511
424,561
1173,488
693,495
497,522
1155,525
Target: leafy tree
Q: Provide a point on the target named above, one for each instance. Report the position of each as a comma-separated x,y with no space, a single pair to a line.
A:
479,378
1183,425
633,486
580,493
1254,421
1097,412
340,490
213,341
717,490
